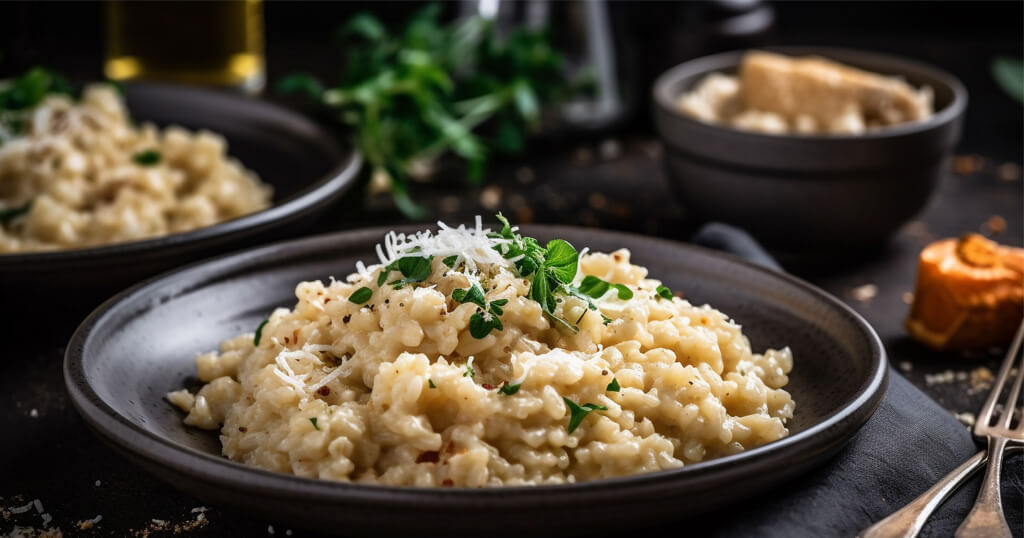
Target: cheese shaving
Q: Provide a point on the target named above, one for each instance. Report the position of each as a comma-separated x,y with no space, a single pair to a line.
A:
471,246
326,379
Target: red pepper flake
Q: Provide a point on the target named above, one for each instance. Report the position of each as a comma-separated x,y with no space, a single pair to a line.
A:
447,482
327,300
243,429
323,391
488,386
430,456
295,335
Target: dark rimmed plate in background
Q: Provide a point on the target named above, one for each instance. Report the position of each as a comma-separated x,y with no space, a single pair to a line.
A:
140,344
308,166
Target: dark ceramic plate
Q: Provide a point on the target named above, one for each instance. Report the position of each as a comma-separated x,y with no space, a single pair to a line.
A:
141,344
309,167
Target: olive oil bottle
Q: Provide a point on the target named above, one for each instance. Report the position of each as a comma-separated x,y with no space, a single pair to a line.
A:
210,43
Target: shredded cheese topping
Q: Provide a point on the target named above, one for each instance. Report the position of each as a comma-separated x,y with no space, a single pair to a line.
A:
469,245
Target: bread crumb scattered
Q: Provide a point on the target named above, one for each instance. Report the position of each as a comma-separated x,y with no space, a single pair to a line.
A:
995,224
905,366
864,293
1008,172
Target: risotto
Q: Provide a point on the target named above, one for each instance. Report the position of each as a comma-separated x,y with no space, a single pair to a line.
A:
468,358
82,175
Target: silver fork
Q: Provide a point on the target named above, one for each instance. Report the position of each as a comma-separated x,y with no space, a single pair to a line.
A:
908,521
986,518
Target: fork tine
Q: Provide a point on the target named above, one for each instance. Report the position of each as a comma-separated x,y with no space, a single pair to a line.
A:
985,417
1010,404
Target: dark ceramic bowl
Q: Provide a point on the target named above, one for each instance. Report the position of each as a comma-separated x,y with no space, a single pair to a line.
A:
141,344
309,168
809,193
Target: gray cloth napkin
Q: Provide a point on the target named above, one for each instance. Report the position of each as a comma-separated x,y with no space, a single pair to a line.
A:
908,444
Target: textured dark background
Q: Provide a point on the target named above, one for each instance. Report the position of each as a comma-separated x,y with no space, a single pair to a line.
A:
608,179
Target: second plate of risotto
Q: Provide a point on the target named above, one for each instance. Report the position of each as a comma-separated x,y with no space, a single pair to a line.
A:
470,374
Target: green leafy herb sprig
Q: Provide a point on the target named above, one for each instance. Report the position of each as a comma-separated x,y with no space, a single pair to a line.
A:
578,412
433,88
550,269
487,316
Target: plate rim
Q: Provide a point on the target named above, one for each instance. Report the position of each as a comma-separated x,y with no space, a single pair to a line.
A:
216,469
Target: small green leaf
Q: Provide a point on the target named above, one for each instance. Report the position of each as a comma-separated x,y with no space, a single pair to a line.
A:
606,319
526,102
561,254
365,26
450,261
613,386
259,333
313,420
1009,74
625,293
431,383
472,295
361,295
149,157
509,390
303,84
470,372
593,286
480,326
578,413
10,214
664,292
415,268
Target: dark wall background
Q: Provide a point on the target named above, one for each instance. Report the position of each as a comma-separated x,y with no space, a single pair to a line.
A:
961,37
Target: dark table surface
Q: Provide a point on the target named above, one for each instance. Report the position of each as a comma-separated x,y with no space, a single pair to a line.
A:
609,181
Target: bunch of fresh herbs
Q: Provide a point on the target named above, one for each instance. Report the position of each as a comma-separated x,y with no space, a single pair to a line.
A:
435,88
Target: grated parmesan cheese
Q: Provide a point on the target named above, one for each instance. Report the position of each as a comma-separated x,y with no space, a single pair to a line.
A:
471,246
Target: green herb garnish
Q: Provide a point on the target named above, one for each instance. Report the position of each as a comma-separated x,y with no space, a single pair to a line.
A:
434,88
361,295
472,295
509,390
470,372
595,287
450,261
431,383
313,420
259,333
578,413
10,214
413,268
663,292
613,386
551,268
149,157
487,315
